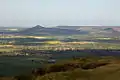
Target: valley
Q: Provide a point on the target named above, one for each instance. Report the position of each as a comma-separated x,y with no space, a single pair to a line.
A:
32,48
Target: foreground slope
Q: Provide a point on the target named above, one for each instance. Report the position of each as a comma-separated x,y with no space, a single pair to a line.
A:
84,69
110,71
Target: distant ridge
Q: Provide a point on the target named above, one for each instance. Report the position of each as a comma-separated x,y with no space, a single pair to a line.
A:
62,30
78,27
116,29
69,27
39,30
38,27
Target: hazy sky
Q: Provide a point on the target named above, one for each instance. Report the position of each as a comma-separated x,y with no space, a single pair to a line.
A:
59,12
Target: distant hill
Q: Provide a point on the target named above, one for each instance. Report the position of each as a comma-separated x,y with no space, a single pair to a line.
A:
112,29
10,30
62,30
102,30
81,27
88,27
108,29
117,29
69,27
39,30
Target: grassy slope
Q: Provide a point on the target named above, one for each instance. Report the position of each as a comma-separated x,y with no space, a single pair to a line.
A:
110,71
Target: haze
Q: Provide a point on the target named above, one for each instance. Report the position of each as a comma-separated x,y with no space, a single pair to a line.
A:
59,12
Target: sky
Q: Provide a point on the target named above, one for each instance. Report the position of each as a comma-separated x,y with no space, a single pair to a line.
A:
59,12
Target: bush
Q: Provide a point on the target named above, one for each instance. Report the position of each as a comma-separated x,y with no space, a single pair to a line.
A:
23,77
92,65
39,71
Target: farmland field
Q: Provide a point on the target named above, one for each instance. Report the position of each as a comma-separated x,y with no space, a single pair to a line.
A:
13,65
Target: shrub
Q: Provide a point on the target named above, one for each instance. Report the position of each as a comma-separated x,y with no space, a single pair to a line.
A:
23,77
39,71
92,65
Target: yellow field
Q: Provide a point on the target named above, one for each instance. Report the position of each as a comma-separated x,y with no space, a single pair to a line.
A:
82,42
53,42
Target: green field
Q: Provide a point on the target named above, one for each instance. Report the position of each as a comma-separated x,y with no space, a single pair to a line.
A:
11,65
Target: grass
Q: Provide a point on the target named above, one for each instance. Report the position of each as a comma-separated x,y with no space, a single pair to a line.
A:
13,66
69,65
74,69
53,42
106,72
78,74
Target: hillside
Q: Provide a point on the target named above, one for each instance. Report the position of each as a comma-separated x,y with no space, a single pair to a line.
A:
105,68
62,30
39,30
109,72
69,27
9,29
110,31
